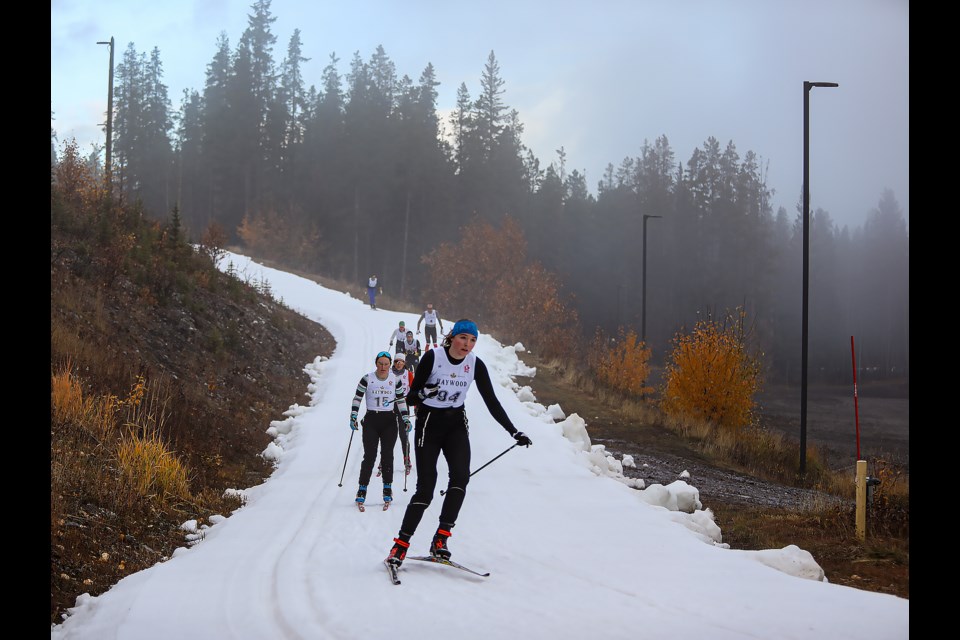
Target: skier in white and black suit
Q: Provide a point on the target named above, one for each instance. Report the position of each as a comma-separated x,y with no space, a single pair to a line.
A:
406,379
399,335
432,319
382,391
411,348
439,388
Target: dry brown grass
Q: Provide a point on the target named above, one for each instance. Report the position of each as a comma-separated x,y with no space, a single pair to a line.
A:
111,448
149,424
149,469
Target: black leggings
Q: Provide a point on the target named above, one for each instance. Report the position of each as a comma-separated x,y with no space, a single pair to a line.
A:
379,428
439,431
402,433
430,330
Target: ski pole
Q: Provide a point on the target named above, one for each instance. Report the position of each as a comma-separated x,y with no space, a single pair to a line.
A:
406,456
352,431
443,491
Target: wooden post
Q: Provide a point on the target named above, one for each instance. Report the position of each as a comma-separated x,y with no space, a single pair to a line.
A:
861,483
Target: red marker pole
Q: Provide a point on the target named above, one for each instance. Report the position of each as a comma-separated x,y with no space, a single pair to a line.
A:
856,411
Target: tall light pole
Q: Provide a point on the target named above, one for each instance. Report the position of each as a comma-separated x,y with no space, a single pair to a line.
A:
643,317
806,265
109,115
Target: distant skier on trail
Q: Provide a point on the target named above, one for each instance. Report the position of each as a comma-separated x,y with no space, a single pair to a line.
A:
399,335
439,388
372,291
382,391
432,319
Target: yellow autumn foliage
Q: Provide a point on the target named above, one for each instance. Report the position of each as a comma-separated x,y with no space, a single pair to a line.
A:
710,375
623,363
149,469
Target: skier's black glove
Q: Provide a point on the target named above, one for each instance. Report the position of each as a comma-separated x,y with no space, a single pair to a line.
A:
522,439
429,390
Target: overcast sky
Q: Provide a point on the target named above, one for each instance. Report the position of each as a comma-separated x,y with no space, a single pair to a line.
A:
597,79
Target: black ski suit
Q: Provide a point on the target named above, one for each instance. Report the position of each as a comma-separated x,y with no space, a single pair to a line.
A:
448,433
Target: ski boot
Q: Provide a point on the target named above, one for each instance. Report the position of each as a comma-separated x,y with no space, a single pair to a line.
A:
361,497
438,548
387,494
398,552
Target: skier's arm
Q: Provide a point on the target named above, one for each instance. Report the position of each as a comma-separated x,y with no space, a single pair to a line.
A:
358,395
424,367
485,387
419,320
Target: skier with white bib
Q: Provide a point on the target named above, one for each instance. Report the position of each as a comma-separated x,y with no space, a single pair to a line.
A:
372,291
399,335
432,319
382,391
439,389
411,347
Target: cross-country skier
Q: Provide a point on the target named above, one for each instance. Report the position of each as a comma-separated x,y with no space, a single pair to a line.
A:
406,379
439,388
405,376
412,348
432,319
382,391
399,335
372,291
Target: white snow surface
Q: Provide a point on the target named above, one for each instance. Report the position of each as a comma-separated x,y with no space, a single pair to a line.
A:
575,549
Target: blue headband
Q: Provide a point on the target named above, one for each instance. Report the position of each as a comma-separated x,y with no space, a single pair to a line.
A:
382,354
465,326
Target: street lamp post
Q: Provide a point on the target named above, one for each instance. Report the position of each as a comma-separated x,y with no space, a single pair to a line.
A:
643,317
109,114
806,266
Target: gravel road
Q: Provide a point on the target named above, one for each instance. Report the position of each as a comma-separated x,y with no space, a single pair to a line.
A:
714,485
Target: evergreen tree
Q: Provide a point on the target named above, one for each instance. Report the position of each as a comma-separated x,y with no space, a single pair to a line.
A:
219,164
461,121
189,163
883,309
128,120
157,180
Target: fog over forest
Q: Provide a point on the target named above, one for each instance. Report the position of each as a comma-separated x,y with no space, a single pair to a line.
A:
355,172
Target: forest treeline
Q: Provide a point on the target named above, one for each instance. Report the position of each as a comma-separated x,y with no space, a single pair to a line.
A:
357,172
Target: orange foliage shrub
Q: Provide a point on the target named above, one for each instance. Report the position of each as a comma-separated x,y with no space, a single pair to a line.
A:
486,277
213,241
265,233
74,182
623,365
278,236
711,376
